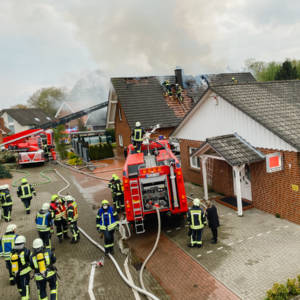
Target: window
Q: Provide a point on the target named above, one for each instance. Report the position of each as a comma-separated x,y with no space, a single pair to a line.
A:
120,114
120,140
11,128
10,119
195,160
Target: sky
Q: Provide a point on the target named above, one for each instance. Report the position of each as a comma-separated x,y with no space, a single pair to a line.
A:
56,43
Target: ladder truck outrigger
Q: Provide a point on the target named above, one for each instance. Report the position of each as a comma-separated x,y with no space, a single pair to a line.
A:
152,178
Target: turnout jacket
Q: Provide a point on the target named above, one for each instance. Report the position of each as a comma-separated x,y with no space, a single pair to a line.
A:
43,221
5,198
196,218
20,261
7,243
72,212
58,210
25,190
106,219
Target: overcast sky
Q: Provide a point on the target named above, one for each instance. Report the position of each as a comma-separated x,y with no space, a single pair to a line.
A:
54,43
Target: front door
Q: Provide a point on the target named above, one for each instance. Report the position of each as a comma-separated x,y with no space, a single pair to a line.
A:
245,183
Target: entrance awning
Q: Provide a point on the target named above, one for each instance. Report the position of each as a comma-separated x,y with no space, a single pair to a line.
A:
232,148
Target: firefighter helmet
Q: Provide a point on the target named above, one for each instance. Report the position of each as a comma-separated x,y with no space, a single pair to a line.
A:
4,187
45,206
37,243
196,202
69,198
104,202
114,176
138,124
10,228
21,239
54,197
24,180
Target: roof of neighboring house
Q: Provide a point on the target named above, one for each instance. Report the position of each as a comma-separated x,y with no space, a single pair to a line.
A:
28,117
270,104
143,96
233,148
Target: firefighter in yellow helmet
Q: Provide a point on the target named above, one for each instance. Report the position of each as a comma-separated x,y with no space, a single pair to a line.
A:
72,213
25,192
20,266
107,221
42,262
196,221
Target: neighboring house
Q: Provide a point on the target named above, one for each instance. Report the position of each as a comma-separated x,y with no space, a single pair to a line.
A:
17,120
3,130
96,120
142,99
244,140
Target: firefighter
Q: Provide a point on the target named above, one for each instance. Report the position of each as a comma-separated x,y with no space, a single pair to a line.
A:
42,262
167,88
72,213
119,193
20,266
196,221
107,221
6,202
137,137
112,187
25,192
7,243
178,90
59,215
44,225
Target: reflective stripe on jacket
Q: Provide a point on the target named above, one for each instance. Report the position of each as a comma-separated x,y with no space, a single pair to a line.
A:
5,198
107,219
49,269
26,191
72,212
24,266
138,134
196,218
43,221
7,244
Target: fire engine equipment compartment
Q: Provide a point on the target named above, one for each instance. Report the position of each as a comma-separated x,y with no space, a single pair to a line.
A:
154,190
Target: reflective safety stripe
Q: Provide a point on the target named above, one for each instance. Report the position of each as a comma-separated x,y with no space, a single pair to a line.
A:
26,191
8,242
137,135
38,276
113,225
196,215
41,220
109,245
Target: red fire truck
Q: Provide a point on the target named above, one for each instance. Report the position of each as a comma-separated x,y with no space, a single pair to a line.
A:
152,177
32,146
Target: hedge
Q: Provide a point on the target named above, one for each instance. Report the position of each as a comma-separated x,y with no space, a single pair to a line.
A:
4,173
101,151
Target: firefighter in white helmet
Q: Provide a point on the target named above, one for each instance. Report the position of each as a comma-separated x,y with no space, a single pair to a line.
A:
137,137
196,221
20,266
44,224
42,262
6,202
7,243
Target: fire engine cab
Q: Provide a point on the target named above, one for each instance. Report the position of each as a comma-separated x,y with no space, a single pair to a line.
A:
152,177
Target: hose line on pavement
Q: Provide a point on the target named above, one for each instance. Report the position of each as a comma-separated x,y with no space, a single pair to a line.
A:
153,249
132,285
26,174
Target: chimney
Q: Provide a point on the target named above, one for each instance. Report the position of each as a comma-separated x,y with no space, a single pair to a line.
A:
179,76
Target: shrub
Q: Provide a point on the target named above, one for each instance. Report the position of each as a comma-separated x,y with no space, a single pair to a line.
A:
76,161
71,155
9,157
4,173
277,215
292,286
97,152
282,292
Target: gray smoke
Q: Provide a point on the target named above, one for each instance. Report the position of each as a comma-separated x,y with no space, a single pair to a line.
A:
136,37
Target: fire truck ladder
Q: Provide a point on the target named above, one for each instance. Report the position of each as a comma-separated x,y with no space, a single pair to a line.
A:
137,207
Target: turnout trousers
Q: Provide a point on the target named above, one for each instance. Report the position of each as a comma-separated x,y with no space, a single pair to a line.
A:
26,202
23,286
196,237
42,288
74,231
6,213
214,231
61,228
46,237
11,276
109,241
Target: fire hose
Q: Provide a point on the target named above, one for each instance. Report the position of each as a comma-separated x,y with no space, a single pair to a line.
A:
132,285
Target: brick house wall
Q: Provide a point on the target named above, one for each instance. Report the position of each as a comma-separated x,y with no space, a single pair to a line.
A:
222,180
121,129
272,192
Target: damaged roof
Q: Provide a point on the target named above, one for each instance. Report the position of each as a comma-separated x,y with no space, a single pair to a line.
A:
28,116
142,98
233,148
275,105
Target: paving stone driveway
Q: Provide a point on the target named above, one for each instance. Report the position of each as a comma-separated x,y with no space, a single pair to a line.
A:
253,251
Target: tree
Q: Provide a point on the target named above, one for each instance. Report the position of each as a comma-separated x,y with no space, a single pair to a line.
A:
47,99
262,71
20,106
287,71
